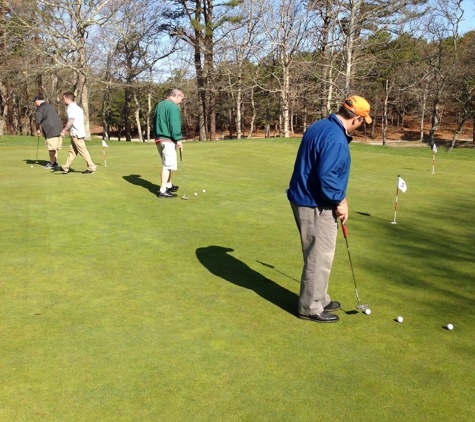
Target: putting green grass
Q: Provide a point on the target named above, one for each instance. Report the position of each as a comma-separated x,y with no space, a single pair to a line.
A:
119,306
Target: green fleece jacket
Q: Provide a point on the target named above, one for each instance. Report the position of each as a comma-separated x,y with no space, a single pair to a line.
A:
167,121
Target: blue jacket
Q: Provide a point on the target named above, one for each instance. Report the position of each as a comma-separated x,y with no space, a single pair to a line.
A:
322,167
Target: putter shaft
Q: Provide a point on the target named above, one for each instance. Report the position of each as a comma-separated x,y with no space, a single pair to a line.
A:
345,235
183,177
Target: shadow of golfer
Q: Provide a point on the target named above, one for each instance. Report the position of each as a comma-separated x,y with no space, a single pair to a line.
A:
38,163
217,260
135,179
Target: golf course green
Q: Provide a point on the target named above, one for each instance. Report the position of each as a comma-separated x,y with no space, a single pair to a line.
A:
120,306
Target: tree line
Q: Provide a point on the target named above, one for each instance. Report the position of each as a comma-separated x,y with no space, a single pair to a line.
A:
244,65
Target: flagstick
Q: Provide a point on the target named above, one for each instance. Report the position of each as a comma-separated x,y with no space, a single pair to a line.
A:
395,204
433,163
104,153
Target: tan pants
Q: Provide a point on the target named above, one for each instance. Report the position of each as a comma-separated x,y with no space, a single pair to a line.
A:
78,146
318,229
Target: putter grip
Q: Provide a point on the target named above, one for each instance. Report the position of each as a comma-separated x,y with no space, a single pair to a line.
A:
181,159
345,232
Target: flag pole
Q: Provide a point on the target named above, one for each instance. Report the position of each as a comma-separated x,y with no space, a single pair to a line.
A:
395,204
434,151
104,151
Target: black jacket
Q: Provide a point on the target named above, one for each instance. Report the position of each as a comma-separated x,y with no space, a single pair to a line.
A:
47,116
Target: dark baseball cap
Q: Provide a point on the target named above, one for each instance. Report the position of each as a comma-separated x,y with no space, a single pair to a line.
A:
39,98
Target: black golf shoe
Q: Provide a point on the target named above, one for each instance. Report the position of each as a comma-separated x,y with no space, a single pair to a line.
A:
173,188
322,317
332,307
166,194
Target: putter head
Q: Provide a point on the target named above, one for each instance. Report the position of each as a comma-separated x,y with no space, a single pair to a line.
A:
362,306
185,197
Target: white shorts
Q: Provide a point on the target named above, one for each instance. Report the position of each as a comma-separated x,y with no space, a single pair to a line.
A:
167,151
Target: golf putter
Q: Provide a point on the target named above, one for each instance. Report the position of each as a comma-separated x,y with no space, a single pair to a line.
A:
37,146
183,177
360,305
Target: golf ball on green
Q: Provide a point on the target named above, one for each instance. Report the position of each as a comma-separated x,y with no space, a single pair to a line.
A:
195,194
450,327
367,311
204,190
400,319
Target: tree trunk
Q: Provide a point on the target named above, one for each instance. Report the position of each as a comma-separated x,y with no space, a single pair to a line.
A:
325,63
459,129
284,96
350,39
253,118
137,117
423,110
385,112
435,122
201,94
238,102
230,122
209,68
126,111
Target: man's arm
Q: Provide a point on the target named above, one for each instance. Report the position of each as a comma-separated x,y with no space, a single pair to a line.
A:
175,125
69,125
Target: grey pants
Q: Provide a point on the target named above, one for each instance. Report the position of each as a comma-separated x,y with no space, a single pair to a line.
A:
318,229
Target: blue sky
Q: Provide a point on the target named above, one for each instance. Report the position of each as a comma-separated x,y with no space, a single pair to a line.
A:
468,23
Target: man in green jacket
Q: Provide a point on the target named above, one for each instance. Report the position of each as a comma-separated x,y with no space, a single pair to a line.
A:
167,134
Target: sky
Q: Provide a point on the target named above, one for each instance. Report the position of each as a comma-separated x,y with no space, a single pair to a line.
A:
468,24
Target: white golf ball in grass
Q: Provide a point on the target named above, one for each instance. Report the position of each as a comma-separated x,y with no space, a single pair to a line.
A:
367,311
31,166
450,327
400,319
204,190
195,194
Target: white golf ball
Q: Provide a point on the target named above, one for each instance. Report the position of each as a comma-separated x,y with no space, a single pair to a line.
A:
367,311
31,166
450,327
400,319
195,194
204,190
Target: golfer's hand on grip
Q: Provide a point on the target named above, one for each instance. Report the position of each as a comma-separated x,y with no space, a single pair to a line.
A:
341,211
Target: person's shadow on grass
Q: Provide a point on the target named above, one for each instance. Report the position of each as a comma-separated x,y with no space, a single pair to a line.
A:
40,163
136,179
217,260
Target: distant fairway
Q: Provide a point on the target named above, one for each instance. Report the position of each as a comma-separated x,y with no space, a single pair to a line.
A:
119,306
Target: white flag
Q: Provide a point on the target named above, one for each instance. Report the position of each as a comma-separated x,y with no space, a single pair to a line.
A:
401,184
434,149
104,144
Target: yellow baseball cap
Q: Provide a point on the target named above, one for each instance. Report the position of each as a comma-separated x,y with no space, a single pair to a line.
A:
358,106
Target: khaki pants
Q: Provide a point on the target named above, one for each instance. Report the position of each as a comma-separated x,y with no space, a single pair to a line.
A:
78,146
318,229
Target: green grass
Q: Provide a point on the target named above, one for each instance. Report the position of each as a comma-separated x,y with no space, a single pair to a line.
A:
119,306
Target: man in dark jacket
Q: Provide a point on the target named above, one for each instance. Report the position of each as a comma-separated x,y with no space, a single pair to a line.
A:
317,195
47,117
167,134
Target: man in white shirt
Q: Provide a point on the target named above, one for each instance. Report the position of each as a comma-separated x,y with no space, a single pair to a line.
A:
77,131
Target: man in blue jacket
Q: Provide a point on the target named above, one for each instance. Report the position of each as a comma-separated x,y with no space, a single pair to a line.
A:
317,195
